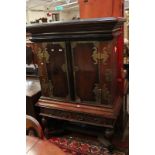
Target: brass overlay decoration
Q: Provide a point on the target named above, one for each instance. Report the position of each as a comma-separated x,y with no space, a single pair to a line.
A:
106,96
43,54
98,56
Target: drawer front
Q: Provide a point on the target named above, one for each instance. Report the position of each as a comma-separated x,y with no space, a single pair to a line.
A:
77,117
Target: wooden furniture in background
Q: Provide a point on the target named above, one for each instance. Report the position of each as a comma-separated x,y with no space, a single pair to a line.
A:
33,127
33,93
79,70
31,62
101,8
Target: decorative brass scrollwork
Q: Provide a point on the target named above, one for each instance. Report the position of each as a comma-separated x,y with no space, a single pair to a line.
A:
98,56
104,55
106,94
102,94
43,54
95,55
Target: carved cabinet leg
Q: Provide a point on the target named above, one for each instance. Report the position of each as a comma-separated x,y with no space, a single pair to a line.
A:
105,139
44,122
108,133
45,126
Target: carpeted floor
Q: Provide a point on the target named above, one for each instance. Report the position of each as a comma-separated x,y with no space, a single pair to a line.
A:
79,145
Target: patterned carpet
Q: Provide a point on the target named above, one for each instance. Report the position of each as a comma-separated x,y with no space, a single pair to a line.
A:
73,145
81,141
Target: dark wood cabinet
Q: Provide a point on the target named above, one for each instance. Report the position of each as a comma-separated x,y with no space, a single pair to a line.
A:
79,70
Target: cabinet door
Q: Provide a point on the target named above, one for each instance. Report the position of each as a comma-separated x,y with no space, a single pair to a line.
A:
52,68
95,72
86,71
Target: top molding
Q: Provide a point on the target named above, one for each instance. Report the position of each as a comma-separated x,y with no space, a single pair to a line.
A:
75,28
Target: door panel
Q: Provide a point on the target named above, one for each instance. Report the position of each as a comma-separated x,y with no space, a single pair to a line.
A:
85,71
57,69
52,69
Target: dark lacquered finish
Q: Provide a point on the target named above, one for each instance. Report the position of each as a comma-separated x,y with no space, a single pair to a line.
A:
56,69
88,29
78,67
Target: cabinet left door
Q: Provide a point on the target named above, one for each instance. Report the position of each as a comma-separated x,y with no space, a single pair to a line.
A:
51,58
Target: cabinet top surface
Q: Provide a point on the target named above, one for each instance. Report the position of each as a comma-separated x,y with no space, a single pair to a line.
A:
76,25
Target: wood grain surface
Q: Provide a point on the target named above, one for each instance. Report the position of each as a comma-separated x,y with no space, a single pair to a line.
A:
35,146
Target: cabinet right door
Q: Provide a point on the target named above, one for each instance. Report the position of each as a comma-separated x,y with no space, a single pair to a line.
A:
95,72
